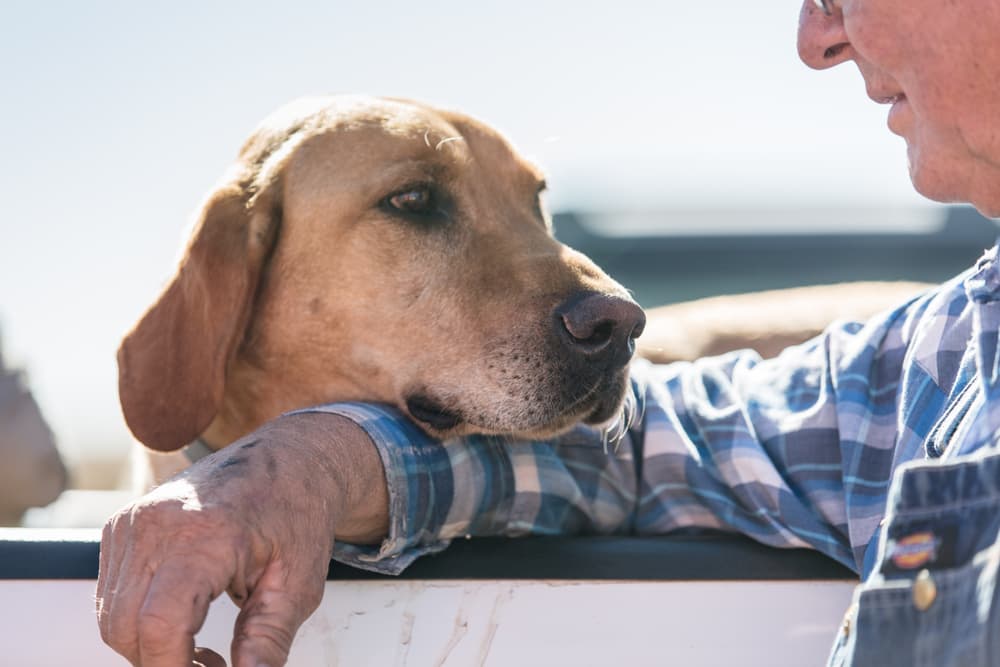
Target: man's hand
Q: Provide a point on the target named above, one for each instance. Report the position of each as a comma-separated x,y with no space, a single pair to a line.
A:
256,520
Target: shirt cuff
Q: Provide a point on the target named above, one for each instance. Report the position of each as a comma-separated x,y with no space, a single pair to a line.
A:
420,483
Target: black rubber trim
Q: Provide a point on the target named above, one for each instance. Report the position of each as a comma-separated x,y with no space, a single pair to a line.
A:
48,559
702,558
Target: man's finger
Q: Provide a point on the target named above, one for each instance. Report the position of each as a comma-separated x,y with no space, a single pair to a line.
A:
111,557
272,615
105,577
174,610
124,596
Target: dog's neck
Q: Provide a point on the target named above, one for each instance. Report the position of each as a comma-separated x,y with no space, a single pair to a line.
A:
255,396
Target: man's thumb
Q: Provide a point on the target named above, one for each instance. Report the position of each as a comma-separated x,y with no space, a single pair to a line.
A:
270,618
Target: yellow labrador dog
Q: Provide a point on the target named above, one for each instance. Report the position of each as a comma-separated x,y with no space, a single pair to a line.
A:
379,250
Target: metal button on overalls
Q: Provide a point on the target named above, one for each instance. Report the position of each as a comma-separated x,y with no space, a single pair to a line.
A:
924,591
845,627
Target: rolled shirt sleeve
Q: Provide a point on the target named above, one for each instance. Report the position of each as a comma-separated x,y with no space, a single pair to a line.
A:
795,451
582,482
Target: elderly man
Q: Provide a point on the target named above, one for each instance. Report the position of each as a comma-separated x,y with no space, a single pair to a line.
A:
874,444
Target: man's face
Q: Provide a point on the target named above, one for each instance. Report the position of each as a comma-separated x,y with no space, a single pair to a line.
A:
938,65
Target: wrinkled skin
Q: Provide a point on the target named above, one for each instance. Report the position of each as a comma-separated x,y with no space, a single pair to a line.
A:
936,64
221,527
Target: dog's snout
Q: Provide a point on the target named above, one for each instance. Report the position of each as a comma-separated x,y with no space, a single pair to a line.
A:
599,326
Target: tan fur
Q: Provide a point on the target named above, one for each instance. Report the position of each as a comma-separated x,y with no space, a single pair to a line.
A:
299,288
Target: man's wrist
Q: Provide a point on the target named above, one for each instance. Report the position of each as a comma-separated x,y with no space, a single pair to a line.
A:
345,454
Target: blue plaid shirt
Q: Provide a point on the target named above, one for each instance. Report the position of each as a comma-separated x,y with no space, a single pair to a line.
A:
796,451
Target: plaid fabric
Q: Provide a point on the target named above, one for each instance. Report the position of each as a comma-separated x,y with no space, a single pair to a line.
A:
797,451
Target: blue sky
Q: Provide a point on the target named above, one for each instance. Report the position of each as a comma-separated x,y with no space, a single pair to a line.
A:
118,116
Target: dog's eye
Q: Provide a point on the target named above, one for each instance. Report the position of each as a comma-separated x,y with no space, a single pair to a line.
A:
417,200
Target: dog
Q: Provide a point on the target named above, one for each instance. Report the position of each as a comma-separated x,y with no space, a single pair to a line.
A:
380,250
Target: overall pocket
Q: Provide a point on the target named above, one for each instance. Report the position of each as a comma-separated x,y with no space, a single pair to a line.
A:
933,599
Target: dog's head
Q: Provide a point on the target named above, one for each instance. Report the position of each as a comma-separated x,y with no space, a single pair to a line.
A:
379,250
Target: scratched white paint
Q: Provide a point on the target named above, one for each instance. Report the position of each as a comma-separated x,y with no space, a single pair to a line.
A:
463,623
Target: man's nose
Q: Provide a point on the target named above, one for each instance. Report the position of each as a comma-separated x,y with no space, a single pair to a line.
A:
822,40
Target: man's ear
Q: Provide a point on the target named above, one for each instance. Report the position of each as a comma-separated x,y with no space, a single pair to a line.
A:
172,365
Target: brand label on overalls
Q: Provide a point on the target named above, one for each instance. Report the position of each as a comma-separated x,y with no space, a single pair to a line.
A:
914,550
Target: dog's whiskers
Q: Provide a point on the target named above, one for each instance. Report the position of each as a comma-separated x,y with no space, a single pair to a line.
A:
632,413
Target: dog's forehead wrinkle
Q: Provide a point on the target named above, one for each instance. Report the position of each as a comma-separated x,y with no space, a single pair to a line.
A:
277,138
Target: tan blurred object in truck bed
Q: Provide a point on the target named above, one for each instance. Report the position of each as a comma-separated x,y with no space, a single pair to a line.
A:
766,321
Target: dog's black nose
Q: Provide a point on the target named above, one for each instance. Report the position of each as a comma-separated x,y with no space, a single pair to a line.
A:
600,327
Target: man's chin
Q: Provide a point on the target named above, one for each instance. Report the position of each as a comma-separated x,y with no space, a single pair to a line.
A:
932,181
951,176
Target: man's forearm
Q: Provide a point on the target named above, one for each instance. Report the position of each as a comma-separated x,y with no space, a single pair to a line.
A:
327,457
346,454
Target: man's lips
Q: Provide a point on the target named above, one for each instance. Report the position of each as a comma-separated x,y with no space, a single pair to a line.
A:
887,99
900,106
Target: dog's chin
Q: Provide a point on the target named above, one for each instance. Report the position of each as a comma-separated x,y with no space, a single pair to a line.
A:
605,408
597,406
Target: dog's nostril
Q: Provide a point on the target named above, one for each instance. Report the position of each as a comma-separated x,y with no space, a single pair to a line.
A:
639,327
594,334
592,322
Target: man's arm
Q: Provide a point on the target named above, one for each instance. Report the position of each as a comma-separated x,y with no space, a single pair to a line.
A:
257,520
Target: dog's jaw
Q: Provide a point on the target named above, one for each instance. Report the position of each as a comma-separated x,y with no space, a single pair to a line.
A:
548,415
432,415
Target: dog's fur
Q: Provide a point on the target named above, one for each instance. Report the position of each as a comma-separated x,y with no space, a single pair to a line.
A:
304,283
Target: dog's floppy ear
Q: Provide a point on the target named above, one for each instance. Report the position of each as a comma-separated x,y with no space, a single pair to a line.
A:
172,365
